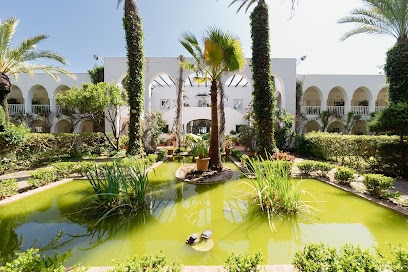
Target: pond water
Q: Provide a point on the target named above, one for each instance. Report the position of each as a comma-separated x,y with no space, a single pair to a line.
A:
50,220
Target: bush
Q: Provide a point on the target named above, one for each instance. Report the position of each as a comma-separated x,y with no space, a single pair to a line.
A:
8,187
378,184
400,261
11,138
315,257
31,260
243,262
319,257
46,175
151,263
323,168
64,169
306,167
344,175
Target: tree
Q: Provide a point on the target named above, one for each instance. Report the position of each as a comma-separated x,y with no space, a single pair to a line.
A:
106,99
386,17
18,60
391,119
97,74
222,53
263,93
134,81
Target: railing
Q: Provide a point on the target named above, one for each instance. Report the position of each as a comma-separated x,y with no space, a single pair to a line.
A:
362,110
378,108
16,108
311,110
336,109
40,108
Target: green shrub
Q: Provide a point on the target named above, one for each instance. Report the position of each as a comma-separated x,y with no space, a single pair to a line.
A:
315,257
83,167
322,168
35,182
399,263
378,184
353,258
319,257
243,262
344,175
64,169
11,138
306,167
31,260
151,263
8,187
236,154
46,175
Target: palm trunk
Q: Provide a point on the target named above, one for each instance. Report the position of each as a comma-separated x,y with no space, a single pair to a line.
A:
264,100
134,84
222,114
214,152
179,108
5,88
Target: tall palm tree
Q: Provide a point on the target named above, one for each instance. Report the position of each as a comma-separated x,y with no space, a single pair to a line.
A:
386,17
134,82
18,60
263,93
222,53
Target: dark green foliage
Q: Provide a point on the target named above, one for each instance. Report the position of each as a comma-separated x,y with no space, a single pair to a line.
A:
315,257
392,119
263,88
8,187
134,82
378,154
2,119
97,74
243,262
12,138
396,70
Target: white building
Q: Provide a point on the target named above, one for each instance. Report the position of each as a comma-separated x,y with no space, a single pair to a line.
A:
340,94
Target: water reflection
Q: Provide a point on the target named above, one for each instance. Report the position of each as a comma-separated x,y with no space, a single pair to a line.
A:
175,209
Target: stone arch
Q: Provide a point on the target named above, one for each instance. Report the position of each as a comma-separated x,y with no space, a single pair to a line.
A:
336,100
15,100
163,91
335,127
199,126
312,100
87,126
60,89
361,97
311,126
382,99
38,125
359,128
40,101
63,126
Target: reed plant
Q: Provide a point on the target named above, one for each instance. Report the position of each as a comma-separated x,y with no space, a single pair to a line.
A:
274,190
118,188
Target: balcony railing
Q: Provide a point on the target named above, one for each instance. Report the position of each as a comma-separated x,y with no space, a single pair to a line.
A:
378,108
336,109
362,110
40,108
311,110
16,108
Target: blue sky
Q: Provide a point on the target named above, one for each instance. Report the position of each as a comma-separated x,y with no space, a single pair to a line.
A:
79,29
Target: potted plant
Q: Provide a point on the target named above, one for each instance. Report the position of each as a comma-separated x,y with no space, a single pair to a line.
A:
228,143
199,151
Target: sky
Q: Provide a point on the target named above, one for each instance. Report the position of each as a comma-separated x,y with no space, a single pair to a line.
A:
80,29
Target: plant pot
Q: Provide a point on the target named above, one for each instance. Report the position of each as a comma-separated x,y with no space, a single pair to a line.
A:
170,151
202,164
227,151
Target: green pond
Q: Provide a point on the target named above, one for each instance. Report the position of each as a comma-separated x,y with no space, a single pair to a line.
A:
51,220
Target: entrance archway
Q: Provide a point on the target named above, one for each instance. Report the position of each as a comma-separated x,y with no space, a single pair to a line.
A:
199,126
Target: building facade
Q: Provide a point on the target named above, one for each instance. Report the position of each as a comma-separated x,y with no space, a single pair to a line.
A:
32,98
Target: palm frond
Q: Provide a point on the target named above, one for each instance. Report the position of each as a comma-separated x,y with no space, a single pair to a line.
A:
7,30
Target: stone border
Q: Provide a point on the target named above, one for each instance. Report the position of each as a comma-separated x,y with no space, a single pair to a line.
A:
208,177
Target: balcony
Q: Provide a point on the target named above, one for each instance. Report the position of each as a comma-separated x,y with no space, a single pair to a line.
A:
16,109
40,109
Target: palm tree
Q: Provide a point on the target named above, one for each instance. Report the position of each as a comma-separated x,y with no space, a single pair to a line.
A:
263,93
222,53
132,24
15,61
387,17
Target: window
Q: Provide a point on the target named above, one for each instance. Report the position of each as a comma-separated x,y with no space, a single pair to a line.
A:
238,104
165,104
